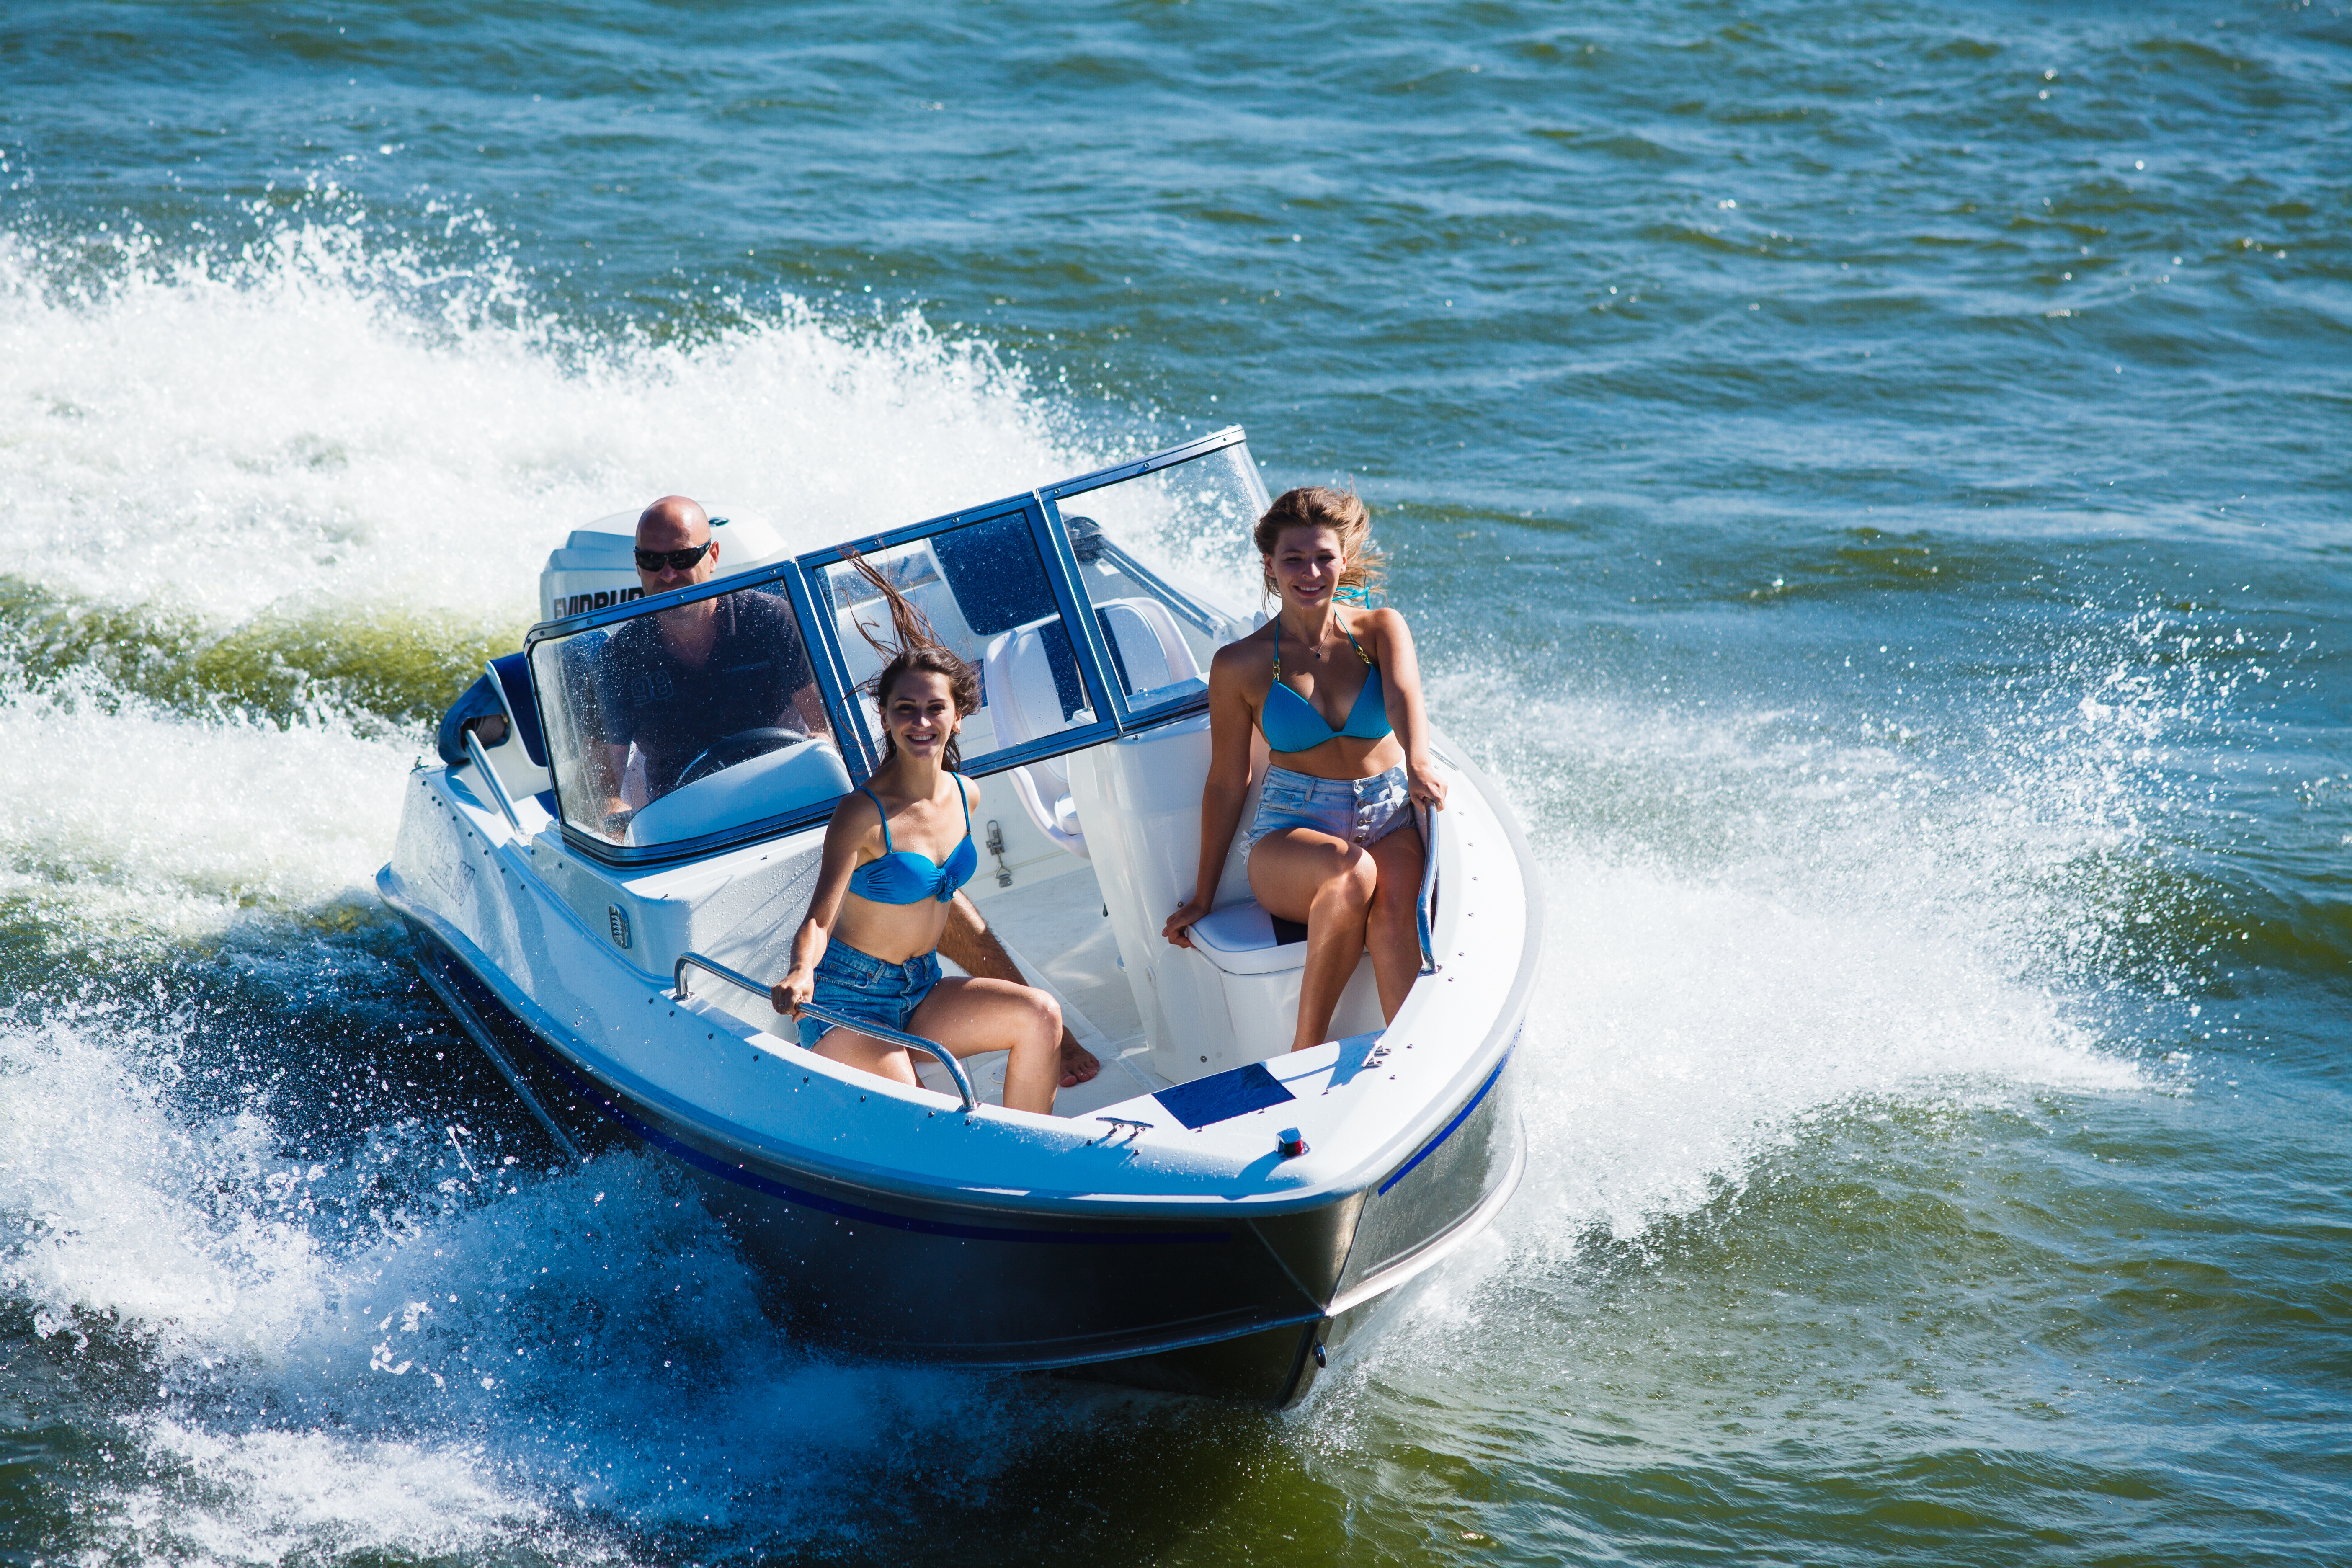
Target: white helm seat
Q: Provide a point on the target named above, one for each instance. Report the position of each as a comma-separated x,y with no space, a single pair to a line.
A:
1031,694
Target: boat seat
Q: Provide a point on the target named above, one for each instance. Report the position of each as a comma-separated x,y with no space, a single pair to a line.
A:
1231,997
1243,938
1254,964
1031,681
1033,688
518,756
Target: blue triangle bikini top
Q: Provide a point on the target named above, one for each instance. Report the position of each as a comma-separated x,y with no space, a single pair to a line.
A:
1294,725
909,876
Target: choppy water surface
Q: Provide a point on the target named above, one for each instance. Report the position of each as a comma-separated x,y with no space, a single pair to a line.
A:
1869,479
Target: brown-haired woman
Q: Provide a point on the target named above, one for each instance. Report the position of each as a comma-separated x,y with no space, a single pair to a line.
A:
895,855
1336,693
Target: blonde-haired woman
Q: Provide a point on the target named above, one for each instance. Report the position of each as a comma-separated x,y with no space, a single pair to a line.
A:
1336,693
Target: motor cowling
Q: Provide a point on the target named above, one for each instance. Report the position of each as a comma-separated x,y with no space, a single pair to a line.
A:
595,568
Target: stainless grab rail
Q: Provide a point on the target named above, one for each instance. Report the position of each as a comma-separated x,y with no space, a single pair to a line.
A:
1428,887
497,786
940,1053
823,1016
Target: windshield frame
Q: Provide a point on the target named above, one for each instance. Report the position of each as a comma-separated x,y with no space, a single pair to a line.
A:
1207,618
1061,574
1166,457
803,585
786,573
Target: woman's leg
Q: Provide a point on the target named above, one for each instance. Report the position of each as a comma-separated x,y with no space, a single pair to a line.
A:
1326,884
867,1054
1392,930
969,1016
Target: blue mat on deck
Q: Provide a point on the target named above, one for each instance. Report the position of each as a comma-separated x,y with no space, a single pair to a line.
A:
1224,1096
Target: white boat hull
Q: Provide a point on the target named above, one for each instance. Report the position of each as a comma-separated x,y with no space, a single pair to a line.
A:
890,1222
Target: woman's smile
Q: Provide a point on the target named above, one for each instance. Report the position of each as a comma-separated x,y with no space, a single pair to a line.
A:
920,716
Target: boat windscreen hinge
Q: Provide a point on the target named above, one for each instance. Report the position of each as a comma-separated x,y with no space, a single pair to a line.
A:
996,847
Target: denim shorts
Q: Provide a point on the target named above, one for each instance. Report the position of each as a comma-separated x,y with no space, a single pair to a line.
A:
871,990
1361,811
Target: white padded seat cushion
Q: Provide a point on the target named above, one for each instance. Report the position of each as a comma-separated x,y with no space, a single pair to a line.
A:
1239,940
1140,649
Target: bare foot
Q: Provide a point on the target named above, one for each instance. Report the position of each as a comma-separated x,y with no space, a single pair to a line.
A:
1078,1063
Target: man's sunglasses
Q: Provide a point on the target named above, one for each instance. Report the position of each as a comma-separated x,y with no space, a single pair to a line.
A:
676,560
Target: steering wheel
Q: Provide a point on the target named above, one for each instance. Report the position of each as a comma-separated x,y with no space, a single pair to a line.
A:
740,747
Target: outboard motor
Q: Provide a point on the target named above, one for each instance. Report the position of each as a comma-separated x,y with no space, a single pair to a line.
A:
595,567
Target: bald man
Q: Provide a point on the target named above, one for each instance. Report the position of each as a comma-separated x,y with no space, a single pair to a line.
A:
678,680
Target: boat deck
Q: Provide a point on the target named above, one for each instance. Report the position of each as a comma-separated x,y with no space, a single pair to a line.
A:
1054,922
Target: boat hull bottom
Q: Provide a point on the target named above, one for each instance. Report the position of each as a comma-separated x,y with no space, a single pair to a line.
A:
1277,1367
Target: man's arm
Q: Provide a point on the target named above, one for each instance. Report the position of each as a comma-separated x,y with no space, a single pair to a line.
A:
608,779
809,703
973,948
594,676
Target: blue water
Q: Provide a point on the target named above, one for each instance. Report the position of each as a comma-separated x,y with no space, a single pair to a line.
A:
1869,480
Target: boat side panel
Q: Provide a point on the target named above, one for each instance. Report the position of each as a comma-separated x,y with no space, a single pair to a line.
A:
568,1100
1441,1183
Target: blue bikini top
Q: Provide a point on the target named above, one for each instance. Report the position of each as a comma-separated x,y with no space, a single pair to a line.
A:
1295,726
907,876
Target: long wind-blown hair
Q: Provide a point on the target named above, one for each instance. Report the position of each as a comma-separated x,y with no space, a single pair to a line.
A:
912,646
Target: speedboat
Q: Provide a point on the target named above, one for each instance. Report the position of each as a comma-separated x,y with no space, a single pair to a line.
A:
1213,1213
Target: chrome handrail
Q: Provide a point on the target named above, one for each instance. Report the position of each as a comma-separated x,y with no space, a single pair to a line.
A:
945,1058
696,960
498,785
1428,887
823,1016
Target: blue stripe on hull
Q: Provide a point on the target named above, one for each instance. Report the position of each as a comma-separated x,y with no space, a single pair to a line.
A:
1461,1116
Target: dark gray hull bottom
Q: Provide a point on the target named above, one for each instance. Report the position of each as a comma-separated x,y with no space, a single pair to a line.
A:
1242,1309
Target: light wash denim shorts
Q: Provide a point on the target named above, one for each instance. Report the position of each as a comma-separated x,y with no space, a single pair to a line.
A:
1361,811
871,990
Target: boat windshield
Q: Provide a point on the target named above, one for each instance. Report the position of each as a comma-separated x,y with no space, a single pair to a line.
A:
687,719
680,724
1194,518
987,587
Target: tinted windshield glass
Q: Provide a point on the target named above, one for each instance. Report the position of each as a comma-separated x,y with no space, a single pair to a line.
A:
1130,536
687,721
984,589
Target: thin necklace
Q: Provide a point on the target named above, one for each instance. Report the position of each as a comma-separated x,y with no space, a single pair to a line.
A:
1310,647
